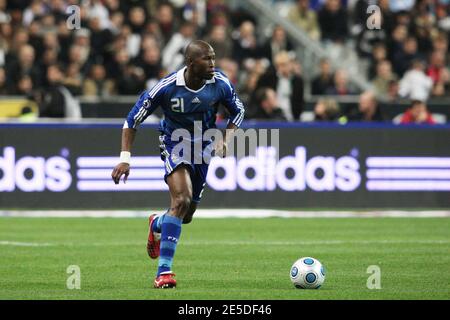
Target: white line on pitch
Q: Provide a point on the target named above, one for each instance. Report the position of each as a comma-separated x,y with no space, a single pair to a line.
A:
228,243
258,243
24,244
228,213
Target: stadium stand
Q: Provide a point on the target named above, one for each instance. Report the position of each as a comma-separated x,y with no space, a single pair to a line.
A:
400,52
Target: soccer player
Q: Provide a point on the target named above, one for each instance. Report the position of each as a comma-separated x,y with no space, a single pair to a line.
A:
193,93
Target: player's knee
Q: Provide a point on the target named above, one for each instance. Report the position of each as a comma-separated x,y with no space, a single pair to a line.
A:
182,203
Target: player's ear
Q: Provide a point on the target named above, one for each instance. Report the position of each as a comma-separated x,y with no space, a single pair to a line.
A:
189,61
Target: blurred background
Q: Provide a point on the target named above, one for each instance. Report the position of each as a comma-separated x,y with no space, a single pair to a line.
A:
360,90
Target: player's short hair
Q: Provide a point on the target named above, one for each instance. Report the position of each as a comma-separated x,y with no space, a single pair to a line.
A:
188,50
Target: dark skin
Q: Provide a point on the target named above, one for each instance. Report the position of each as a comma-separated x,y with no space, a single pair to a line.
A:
200,63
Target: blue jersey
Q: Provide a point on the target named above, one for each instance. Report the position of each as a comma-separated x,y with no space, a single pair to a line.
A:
182,105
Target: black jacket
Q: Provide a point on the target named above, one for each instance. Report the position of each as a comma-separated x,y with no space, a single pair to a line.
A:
53,103
270,79
276,115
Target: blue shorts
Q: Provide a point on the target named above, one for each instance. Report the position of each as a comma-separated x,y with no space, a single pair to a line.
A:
172,160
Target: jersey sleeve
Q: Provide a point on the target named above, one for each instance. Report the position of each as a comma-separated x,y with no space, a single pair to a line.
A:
232,102
147,103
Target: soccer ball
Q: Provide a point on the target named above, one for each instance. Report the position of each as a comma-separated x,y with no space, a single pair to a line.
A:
307,273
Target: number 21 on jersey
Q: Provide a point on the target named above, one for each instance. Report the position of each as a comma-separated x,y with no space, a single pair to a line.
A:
177,104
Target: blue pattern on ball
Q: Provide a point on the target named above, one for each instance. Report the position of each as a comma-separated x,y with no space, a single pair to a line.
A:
308,261
294,272
311,277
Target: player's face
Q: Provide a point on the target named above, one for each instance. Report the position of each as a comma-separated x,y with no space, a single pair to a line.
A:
205,63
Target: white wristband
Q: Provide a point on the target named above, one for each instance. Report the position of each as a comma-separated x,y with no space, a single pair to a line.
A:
125,156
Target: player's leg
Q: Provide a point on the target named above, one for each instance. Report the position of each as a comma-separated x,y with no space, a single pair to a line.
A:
155,220
198,185
180,188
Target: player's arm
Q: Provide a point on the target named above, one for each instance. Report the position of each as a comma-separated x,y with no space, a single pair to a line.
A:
229,132
145,106
123,168
236,110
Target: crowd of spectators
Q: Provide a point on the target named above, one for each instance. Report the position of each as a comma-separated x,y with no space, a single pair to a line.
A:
124,47
405,44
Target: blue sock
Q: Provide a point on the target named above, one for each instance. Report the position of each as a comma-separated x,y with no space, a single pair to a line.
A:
156,227
170,233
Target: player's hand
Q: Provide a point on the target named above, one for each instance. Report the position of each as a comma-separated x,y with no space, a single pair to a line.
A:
121,169
221,149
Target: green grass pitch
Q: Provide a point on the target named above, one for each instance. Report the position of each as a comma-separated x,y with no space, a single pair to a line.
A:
237,259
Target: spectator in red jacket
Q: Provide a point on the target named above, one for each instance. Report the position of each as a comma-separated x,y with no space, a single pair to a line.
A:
439,73
417,113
